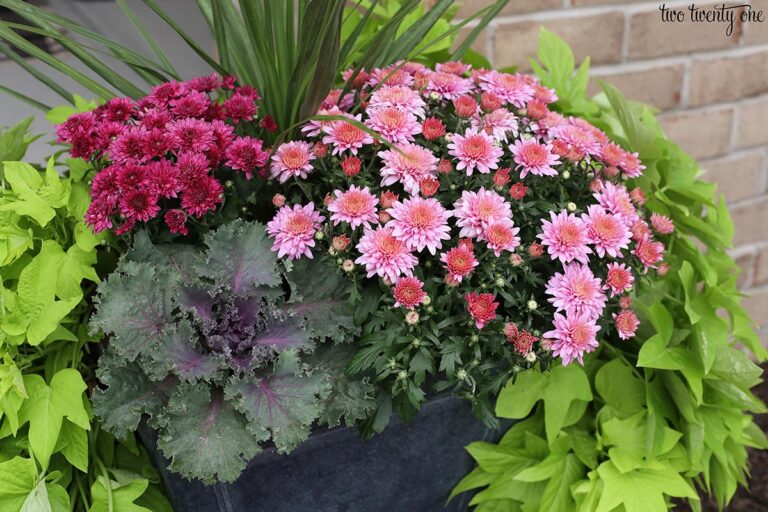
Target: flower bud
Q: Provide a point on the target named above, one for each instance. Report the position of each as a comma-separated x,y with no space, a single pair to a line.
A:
535,250
515,259
348,265
351,166
278,200
532,305
412,318
501,177
445,166
340,242
320,150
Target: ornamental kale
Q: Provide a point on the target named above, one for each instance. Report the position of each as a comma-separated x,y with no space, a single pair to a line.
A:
216,345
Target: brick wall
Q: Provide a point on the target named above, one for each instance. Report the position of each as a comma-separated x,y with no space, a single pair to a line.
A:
711,89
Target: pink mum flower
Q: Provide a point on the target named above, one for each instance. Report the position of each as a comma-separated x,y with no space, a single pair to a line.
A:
509,88
385,255
626,322
565,237
394,125
246,154
617,201
606,232
531,156
139,204
411,165
632,166
459,262
475,151
448,86
662,224
293,229
476,210
191,135
577,291
345,136
577,139
408,292
482,307
649,252
292,159
496,123
315,128
357,206
572,337
420,223
397,96
619,279
501,236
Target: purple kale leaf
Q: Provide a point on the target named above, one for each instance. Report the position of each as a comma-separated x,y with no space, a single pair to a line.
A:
178,352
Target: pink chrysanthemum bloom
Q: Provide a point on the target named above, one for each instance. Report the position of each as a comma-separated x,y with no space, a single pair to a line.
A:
139,204
420,223
292,159
455,67
345,136
617,201
533,157
650,253
448,86
565,237
631,165
572,337
476,210
293,229
606,232
662,224
459,262
475,151
496,123
334,98
246,154
384,255
509,88
391,76
397,96
357,206
612,154
201,195
581,141
393,124
129,147
501,236
98,216
315,128
408,292
619,279
411,165
626,323
191,135
577,291
482,308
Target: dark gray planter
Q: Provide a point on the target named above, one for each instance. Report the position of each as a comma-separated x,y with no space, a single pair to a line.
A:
410,467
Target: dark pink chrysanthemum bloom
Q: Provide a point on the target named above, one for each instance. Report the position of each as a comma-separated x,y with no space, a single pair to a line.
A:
533,157
138,204
205,83
246,154
164,178
572,337
118,109
509,88
155,119
98,216
619,279
128,147
293,229
192,166
191,135
240,108
131,176
162,94
524,341
577,291
459,262
482,307
176,220
191,104
662,224
201,196
156,143
80,123
105,187
626,322
408,292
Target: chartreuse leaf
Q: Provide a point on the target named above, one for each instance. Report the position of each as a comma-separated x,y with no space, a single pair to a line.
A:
18,478
204,436
25,181
46,497
558,389
123,496
14,241
642,490
73,444
617,384
47,407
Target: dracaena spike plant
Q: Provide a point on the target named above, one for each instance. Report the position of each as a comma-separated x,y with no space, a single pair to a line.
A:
216,344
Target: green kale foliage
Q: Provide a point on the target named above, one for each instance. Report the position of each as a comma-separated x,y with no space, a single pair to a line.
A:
657,417
224,348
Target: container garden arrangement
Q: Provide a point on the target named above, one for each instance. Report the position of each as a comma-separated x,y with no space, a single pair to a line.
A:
313,296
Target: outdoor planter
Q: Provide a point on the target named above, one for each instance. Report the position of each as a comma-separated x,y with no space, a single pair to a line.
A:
408,467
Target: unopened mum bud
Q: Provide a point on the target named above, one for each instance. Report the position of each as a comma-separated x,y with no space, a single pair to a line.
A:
662,269
351,166
530,357
532,305
501,177
319,235
465,106
388,198
412,318
429,187
535,250
320,150
625,302
566,174
445,166
340,242
348,265
515,259
571,207
278,200
434,96
461,374
384,217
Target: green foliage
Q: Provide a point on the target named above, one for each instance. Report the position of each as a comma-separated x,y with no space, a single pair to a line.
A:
643,421
208,344
51,452
291,51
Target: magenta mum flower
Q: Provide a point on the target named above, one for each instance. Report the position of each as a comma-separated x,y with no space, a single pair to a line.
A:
246,154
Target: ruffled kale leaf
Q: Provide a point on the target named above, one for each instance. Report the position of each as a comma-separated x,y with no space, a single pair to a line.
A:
284,403
203,436
239,258
177,352
135,305
128,395
321,299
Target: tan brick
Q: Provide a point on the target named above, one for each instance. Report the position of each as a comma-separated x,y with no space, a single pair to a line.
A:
756,304
761,268
703,134
737,177
751,222
650,37
514,43
752,121
755,32
469,7
660,87
712,80
746,263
